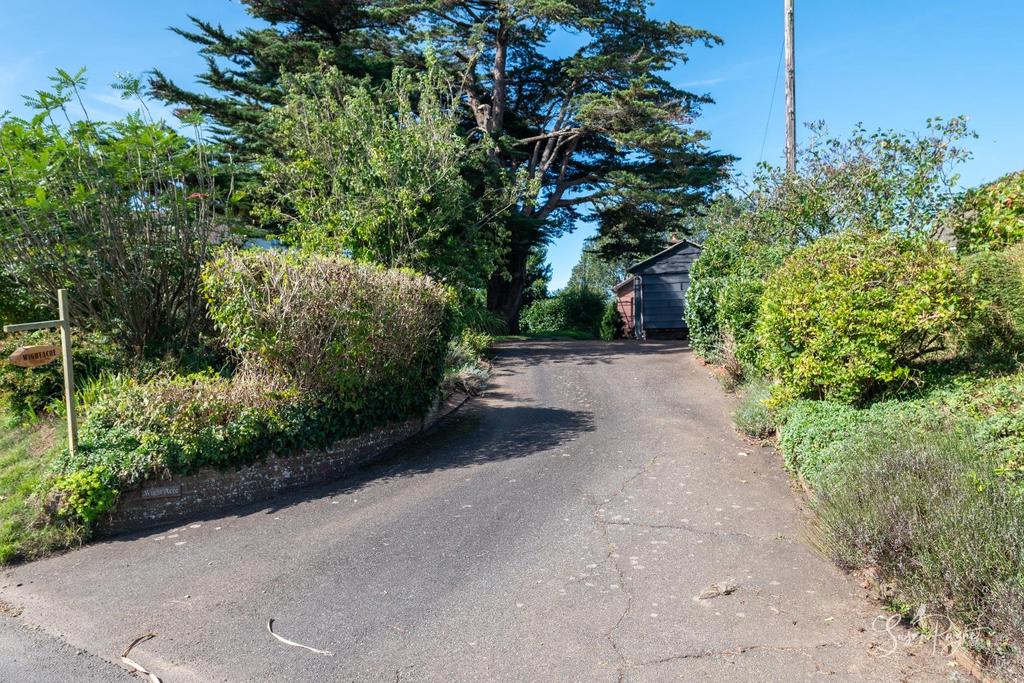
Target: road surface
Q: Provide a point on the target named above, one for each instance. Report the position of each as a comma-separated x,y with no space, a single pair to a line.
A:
560,528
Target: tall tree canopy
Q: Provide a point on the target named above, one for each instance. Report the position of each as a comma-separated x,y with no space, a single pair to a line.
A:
244,69
599,131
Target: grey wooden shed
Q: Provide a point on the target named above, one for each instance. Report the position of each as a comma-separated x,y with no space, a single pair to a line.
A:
653,298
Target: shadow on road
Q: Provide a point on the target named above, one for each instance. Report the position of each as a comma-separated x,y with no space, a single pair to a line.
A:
479,433
500,426
537,352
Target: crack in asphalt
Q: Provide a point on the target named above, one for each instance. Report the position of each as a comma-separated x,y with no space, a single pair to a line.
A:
610,548
741,650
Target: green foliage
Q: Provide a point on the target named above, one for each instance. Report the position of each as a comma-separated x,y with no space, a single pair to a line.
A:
181,423
243,77
628,154
85,495
701,315
377,176
991,216
919,505
579,310
883,181
538,276
726,284
466,369
470,313
611,321
850,314
738,301
996,330
26,392
593,272
122,213
815,435
372,339
755,416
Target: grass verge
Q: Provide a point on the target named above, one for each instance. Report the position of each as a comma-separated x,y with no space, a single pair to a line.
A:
26,452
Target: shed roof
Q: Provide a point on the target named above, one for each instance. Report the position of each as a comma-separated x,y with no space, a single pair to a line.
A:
627,281
671,249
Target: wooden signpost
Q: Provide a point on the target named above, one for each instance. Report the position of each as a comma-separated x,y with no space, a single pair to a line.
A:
34,356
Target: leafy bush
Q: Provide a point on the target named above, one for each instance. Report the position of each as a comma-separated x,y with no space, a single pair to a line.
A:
850,314
738,301
579,310
31,391
177,424
122,213
754,416
85,495
996,330
726,283
372,339
381,175
466,369
991,216
701,315
919,505
611,321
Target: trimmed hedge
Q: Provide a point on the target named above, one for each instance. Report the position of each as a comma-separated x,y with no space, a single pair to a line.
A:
328,349
850,314
571,310
372,339
726,284
996,330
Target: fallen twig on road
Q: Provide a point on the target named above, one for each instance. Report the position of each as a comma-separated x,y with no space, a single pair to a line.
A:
270,627
135,665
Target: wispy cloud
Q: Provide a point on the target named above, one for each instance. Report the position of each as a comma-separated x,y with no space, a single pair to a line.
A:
689,85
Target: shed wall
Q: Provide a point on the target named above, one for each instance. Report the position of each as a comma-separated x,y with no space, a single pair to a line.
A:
664,283
625,304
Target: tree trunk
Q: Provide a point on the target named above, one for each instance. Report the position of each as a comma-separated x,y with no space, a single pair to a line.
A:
504,293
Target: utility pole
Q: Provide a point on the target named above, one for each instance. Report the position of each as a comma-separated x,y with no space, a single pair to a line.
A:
790,91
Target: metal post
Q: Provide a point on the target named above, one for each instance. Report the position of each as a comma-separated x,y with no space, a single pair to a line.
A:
790,91
69,368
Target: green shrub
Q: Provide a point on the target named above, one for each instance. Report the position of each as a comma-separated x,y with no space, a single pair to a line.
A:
725,289
996,329
328,349
701,315
85,495
850,314
739,298
918,505
991,216
372,339
178,424
31,391
571,310
755,416
466,369
611,321
123,213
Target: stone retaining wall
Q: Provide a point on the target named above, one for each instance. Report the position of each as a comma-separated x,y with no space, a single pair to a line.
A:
164,501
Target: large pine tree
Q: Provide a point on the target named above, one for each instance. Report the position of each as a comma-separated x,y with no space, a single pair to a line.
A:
243,70
598,130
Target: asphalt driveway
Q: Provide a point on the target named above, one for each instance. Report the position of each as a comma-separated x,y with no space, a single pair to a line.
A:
563,527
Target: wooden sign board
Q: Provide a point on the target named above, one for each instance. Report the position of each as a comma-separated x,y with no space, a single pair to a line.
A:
34,356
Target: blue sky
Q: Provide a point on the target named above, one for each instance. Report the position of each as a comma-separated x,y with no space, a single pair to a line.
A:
886,63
